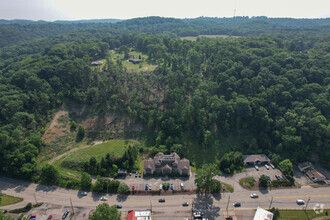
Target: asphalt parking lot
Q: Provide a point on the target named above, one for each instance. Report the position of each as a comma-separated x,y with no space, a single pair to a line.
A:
140,183
252,172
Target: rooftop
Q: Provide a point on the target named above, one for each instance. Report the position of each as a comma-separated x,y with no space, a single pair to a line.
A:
255,158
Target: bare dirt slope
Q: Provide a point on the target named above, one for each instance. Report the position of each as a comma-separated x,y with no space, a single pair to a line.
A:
58,127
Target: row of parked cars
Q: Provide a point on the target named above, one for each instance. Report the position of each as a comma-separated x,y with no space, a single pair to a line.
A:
149,186
267,167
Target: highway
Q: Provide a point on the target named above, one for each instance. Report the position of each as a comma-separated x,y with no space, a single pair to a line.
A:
213,205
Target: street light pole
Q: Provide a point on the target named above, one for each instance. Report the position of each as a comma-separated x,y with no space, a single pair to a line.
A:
228,204
307,203
270,203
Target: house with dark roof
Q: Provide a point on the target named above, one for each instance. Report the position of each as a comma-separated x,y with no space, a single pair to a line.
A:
167,164
256,159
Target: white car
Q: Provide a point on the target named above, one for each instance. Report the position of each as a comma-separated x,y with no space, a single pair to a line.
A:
150,186
267,167
103,198
300,202
160,186
181,185
253,195
83,193
257,168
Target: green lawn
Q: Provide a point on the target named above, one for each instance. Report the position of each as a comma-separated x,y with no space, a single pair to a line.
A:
229,187
8,200
247,182
300,214
113,147
143,66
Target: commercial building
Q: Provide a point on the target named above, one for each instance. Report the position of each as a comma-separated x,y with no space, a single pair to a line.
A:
139,215
309,170
167,164
257,159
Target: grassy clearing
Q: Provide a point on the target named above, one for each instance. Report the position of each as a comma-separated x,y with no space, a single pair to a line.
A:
247,182
208,36
9,200
300,214
113,147
143,66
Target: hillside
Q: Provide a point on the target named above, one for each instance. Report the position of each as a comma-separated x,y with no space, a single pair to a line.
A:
267,93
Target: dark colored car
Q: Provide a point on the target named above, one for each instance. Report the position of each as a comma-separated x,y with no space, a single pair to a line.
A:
237,204
65,214
172,186
119,206
33,217
146,187
50,217
136,174
161,200
185,204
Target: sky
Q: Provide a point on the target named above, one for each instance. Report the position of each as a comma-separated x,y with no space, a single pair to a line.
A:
51,10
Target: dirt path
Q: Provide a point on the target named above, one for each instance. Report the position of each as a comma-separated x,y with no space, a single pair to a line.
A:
73,150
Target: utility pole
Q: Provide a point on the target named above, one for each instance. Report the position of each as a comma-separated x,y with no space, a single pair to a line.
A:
107,185
307,203
192,208
35,198
270,205
228,204
72,206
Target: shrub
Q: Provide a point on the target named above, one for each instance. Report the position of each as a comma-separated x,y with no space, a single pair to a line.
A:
81,133
166,186
73,125
123,188
263,180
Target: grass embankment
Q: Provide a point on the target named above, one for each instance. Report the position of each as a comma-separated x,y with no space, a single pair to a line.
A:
113,147
300,214
228,187
9,200
247,182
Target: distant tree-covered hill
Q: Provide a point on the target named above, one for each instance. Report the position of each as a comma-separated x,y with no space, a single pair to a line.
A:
14,31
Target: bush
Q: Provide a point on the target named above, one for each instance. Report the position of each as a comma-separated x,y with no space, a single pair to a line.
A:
276,213
279,183
81,133
166,186
27,208
263,180
216,186
49,175
123,188
85,181
73,125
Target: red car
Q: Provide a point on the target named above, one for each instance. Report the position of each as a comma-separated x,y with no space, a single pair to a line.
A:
50,217
133,186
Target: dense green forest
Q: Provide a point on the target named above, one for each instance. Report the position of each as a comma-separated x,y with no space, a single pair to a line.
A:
272,83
